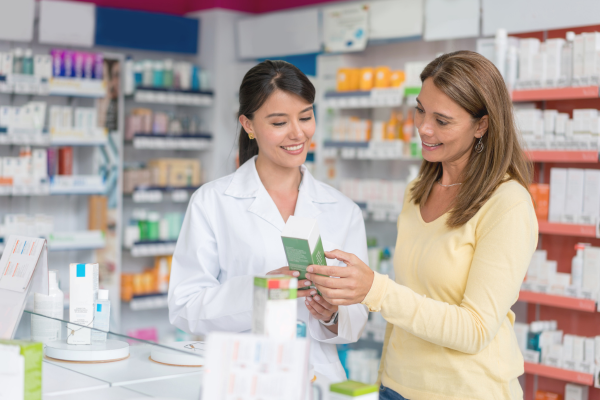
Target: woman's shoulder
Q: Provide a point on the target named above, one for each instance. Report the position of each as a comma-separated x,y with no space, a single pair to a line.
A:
507,196
212,189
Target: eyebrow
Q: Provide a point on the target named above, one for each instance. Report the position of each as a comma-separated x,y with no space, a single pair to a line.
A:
436,113
285,115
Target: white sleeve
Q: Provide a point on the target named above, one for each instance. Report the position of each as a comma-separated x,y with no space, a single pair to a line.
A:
351,319
198,302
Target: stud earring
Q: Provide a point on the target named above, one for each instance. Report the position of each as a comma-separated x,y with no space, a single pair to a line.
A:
250,135
479,146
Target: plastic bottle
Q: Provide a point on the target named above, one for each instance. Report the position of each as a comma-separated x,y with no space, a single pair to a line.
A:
195,78
168,73
157,80
28,62
566,61
138,73
501,49
577,267
153,226
18,61
163,275
148,74
46,329
101,317
141,216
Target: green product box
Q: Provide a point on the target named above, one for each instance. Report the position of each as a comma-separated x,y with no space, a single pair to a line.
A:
302,244
32,353
353,390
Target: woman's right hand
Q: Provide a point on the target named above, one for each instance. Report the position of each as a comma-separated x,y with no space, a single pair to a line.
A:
301,283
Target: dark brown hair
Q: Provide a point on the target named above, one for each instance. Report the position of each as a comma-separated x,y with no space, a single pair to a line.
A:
258,84
475,84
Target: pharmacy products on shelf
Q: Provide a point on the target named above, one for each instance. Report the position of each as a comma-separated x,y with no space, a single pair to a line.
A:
574,196
21,369
83,292
154,280
164,74
147,121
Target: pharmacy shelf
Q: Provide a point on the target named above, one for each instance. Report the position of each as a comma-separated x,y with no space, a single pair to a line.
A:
570,303
392,97
148,302
46,140
563,156
566,375
553,228
73,87
159,195
567,93
192,142
371,150
151,249
344,144
171,96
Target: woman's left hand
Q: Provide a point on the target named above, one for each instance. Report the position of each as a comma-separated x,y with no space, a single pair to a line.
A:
352,283
319,307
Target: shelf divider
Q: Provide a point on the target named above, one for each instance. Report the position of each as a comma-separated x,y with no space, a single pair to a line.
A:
566,375
571,303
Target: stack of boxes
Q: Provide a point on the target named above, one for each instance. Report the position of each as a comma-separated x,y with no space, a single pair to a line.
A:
574,196
28,119
164,173
30,169
374,190
154,280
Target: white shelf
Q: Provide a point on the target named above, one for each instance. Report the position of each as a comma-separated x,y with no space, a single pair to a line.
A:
187,98
150,302
372,150
153,142
74,87
158,196
392,97
153,249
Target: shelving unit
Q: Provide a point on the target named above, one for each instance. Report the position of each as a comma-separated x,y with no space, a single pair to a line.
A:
553,228
563,156
571,303
392,97
151,249
565,375
171,96
193,142
566,93
149,302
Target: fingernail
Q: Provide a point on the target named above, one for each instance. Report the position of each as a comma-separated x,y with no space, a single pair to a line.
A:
309,298
313,292
307,283
296,273
316,298
309,269
307,276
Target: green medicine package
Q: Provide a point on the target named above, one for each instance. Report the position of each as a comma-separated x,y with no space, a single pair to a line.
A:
302,244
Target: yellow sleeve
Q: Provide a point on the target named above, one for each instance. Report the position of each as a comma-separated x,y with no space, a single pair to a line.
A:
388,333
502,255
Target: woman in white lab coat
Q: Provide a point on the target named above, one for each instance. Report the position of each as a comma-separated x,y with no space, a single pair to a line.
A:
232,228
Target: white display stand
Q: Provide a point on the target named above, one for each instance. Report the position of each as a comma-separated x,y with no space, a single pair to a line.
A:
195,358
113,350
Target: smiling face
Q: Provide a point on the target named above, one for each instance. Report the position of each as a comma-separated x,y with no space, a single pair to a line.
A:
283,127
447,130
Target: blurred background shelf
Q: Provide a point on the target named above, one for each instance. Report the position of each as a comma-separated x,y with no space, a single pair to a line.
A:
566,375
571,303
563,156
566,93
553,228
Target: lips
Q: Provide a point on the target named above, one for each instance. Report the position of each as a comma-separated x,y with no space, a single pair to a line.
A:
432,145
293,148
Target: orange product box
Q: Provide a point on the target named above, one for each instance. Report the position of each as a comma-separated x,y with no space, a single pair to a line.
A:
543,201
542,395
65,161
348,79
397,78
367,78
382,77
98,213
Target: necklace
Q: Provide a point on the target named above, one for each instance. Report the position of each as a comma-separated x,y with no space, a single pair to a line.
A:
446,186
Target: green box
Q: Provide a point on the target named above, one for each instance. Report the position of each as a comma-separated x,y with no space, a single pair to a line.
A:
353,390
32,352
302,244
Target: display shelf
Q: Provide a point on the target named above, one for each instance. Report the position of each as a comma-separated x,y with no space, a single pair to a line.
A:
171,96
554,228
365,99
149,302
74,87
344,144
372,150
566,93
571,303
192,142
563,156
150,249
158,196
566,375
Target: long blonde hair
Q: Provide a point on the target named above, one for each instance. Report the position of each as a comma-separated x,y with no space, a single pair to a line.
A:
475,84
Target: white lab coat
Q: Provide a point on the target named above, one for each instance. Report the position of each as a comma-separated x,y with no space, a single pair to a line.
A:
232,232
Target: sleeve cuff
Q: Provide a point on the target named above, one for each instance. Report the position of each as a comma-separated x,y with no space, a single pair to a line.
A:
374,298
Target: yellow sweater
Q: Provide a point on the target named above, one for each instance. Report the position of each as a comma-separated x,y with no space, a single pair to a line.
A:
450,328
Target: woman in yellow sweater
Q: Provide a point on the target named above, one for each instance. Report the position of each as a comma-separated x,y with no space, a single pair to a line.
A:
466,234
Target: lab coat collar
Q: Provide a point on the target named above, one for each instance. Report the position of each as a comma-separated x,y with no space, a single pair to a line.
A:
247,184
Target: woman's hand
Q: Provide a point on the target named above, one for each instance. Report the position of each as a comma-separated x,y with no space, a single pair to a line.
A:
352,283
295,274
321,309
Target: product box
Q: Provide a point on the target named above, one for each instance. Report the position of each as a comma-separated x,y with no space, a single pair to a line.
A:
578,60
576,392
591,271
65,161
21,369
274,312
543,395
302,244
521,331
174,172
353,390
98,213
591,46
558,187
83,292
574,196
591,197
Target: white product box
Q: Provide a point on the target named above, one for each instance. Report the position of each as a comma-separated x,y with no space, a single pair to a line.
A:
521,331
547,273
39,161
537,260
67,117
553,355
591,197
7,115
554,52
42,67
597,347
573,196
56,118
578,59
7,63
550,121
83,292
591,47
578,348
558,187
576,392
540,66
527,49
591,269
568,348
275,306
560,127
559,283
527,120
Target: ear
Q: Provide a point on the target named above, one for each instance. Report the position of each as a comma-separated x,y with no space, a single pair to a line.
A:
246,124
482,126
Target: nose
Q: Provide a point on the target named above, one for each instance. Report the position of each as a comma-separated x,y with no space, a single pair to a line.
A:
424,126
296,132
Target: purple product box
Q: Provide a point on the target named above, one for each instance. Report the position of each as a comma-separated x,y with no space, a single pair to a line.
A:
69,63
88,65
57,63
52,161
79,64
98,66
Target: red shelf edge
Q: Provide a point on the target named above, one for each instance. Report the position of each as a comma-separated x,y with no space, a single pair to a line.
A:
575,156
570,303
569,93
559,373
554,228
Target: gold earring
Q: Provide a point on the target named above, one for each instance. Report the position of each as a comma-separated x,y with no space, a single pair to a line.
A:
250,135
